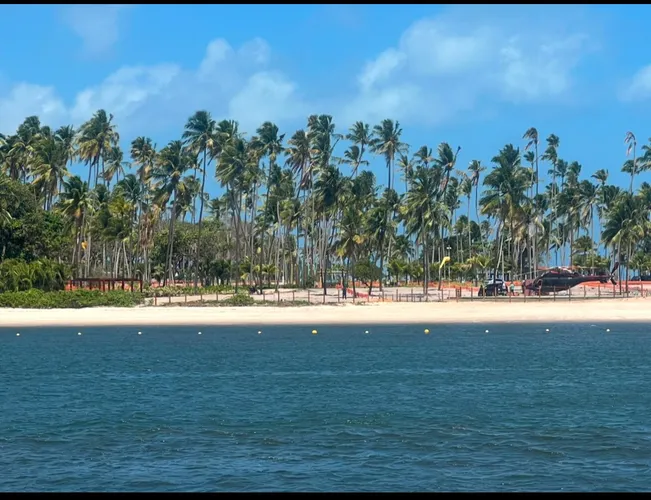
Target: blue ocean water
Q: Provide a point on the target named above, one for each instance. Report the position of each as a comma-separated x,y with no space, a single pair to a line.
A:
392,410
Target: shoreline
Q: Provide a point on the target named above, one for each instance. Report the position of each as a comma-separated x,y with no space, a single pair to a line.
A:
632,310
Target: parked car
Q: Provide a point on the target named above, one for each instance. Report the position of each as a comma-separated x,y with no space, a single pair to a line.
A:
641,278
492,289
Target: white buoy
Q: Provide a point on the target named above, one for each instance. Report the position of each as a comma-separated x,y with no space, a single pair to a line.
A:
259,332
198,333
139,333
18,335
485,331
547,330
607,330
78,333
366,332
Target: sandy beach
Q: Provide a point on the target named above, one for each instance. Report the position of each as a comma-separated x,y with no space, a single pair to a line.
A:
605,310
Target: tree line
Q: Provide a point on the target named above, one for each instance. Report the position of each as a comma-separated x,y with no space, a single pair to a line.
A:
295,211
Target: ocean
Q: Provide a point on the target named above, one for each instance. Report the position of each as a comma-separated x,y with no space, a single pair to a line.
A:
394,409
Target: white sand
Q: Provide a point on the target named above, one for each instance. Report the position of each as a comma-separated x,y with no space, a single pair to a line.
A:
605,310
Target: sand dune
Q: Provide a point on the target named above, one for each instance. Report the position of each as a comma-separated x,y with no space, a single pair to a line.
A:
605,310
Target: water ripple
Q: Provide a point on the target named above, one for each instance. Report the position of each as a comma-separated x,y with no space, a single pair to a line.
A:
396,411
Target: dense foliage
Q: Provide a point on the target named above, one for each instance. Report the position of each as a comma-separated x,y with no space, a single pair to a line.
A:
302,209
37,299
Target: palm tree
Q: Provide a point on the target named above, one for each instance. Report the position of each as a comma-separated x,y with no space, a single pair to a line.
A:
360,136
626,224
76,204
386,142
172,162
506,184
200,136
532,137
96,137
631,143
551,155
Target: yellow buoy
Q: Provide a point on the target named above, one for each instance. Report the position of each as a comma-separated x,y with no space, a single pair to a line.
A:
314,332
426,331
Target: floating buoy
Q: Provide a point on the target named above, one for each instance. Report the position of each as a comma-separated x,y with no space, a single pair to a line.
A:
547,330
607,330
139,333
426,331
314,332
198,333
78,333
259,332
18,335
366,332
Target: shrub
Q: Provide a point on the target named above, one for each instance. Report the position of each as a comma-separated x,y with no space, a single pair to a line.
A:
17,275
176,291
37,299
239,299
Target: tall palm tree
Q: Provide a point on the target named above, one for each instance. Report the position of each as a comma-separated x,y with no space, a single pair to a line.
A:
551,155
172,163
631,143
386,142
360,136
200,135
532,137
95,139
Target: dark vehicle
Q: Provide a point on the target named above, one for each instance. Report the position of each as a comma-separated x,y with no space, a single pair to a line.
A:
492,289
561,279
641,278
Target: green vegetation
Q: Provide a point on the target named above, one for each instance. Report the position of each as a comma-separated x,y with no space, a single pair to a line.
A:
37,299
301,209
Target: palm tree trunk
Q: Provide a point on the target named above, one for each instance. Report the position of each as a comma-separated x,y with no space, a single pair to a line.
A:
170,269
203,186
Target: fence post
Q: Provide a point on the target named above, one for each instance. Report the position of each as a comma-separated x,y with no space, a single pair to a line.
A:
201,296
293,295
554,294
584,292
186,298
264,297
217,296
155,299
169,298
278,295
309,300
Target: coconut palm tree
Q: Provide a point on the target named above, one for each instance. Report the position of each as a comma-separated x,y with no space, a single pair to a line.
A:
631,143
200,135
386,142
172,163
96,137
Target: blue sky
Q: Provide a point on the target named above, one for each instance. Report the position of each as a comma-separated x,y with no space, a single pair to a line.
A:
475,76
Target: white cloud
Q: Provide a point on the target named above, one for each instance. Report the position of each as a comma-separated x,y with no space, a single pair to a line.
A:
639,87
231,83
98,26
455,61
26,100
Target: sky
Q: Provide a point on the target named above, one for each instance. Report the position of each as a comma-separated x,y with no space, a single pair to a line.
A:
473,76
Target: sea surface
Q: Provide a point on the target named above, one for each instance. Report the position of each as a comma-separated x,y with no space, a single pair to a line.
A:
394,409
